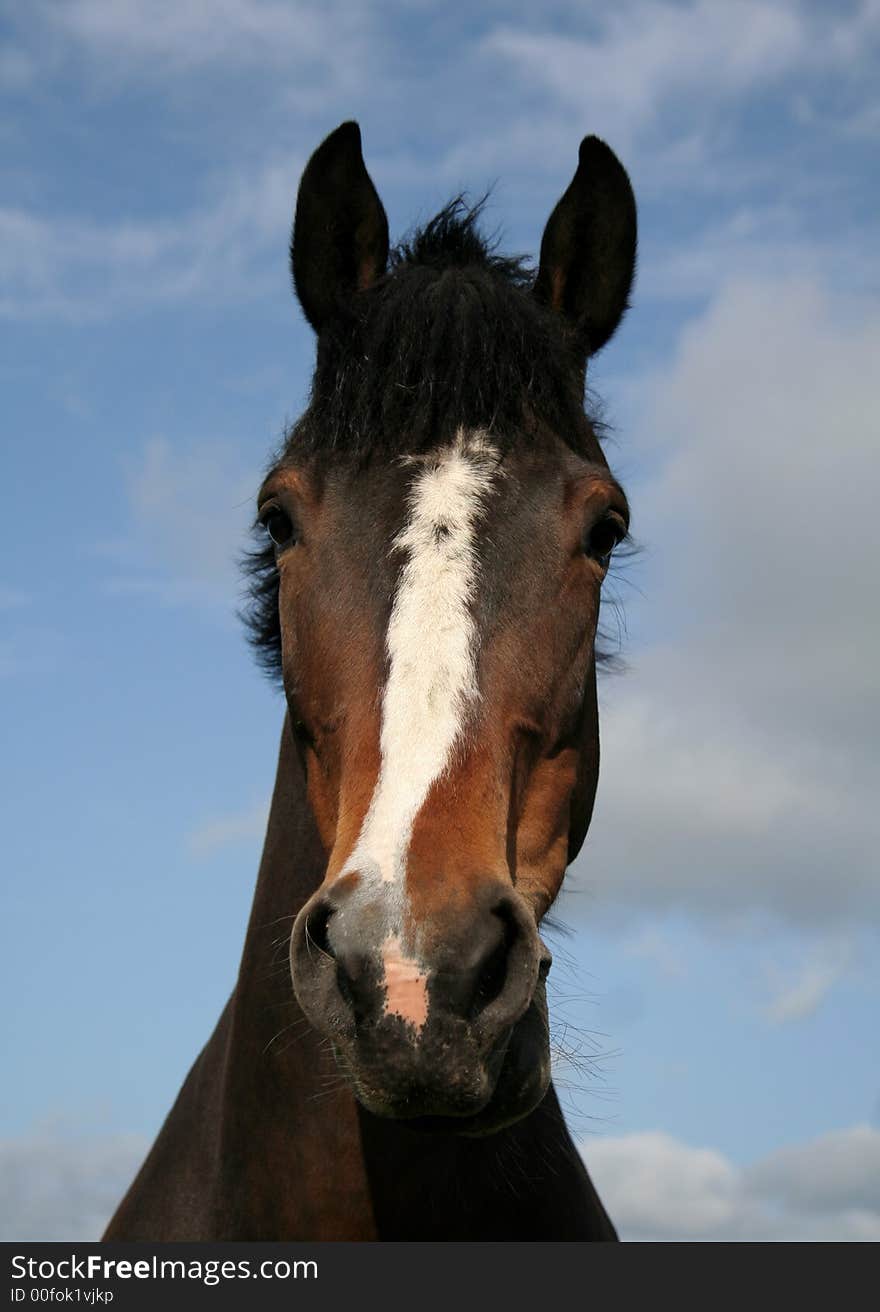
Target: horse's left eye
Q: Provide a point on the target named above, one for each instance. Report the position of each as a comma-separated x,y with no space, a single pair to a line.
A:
603,537
278,525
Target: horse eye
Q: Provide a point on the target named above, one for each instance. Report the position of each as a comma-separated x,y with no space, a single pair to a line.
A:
278,525
604,537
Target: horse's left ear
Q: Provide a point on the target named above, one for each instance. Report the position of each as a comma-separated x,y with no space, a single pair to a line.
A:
588,252
339,244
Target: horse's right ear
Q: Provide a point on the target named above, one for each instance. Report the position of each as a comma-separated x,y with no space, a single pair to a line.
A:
588,252
339,243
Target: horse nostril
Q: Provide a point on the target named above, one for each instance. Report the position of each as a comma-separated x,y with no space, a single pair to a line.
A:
492,971
490,981
334,971
316,927
359,984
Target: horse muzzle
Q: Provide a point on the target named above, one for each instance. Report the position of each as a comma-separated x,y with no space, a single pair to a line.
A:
432,1023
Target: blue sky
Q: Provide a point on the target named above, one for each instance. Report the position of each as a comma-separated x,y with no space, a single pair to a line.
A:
720,985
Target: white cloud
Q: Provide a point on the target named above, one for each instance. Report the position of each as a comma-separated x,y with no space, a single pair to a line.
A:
191,509
651,945
759,242
184,36
739,752
657,1188
236,827
629,62
76,268
53,1187
641,54
799,994
838,1172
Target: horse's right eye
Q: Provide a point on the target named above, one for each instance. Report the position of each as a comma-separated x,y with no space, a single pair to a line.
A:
278,525
604,536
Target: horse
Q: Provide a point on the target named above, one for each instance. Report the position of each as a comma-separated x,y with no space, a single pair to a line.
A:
435,535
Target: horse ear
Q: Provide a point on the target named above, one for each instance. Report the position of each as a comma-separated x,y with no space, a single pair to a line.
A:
588,252
339,244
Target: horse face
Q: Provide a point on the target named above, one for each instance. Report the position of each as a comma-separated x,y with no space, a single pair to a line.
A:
438,616
437,611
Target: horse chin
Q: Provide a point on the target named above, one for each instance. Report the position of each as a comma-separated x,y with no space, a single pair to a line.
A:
523,1080
516,1077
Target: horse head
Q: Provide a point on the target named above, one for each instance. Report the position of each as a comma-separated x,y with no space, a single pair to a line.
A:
437,530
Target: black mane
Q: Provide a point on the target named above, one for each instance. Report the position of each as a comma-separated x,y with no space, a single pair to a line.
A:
450,337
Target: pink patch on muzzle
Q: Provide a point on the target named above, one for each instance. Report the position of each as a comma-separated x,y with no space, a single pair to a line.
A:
406,985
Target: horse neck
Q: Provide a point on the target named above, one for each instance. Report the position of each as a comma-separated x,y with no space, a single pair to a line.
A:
291,868
283,1113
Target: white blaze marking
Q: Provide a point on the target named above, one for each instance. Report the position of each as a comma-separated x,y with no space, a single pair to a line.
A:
431,644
